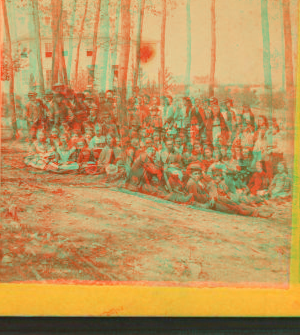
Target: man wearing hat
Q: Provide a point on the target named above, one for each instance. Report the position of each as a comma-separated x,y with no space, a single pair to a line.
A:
35,113
229,117
142,172
169,156
62,113
89,101
216,127
143,109
192,118
49,108
195,184
58,88
108,127
133,114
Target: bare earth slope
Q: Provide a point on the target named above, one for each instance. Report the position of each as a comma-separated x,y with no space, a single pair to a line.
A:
71,228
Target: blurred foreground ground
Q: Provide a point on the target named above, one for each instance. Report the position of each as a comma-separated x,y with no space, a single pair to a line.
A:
71,228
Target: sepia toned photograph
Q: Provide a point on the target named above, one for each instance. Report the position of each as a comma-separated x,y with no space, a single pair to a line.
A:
148,142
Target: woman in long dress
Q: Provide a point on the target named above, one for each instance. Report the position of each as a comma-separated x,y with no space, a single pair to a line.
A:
43,156
66,163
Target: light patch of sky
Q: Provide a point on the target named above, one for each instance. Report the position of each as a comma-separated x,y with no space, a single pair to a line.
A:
239,40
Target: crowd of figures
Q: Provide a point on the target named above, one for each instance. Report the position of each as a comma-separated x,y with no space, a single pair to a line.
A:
189,151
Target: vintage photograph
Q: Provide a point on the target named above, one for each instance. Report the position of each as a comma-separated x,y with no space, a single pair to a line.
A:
147,142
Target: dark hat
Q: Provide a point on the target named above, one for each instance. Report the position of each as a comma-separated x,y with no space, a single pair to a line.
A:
80,94
214,101
88,96
32,93
58,85
134,134
217,172
48,92
111,169
194,167
76,126
58,94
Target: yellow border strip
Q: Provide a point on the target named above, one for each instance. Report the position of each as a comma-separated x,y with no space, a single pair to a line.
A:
93,300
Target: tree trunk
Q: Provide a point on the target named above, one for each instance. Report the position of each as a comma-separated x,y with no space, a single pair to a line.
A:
62,58
79,42
114,53
266,53
125,49
213,49
70,55
189,47
11,71
138,42
162,46
35,8
289,73
289,78
105,42
283,48
56,18
95,37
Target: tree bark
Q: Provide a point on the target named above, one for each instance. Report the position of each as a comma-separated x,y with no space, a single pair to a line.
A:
213,49
79,42
114,53
162,46
62,58
125,49
56,18
11,71
266,53
189,47
95,37
289,72
35,8
289,78
138,42
105,43
70,55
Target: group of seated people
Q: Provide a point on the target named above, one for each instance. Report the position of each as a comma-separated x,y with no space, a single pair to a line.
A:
196,153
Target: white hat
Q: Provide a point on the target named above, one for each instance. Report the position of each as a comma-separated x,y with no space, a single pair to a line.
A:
111,169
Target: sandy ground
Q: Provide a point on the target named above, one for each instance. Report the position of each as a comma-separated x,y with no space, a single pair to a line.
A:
71,228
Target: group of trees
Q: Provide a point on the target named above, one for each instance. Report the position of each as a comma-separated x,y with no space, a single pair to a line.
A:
97,15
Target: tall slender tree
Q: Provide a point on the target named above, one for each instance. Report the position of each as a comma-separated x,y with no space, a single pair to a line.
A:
125,47
213,49
95,38
104,42
62,53
289,72
189,47
70,55
162,45
79,41
36,20
114,41
11,70
138,41
56,55
266,52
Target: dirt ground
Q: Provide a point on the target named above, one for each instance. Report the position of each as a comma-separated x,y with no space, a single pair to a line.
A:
71,228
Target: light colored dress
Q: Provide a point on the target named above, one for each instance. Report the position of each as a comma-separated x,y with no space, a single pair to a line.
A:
280,186
64,163
42,157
